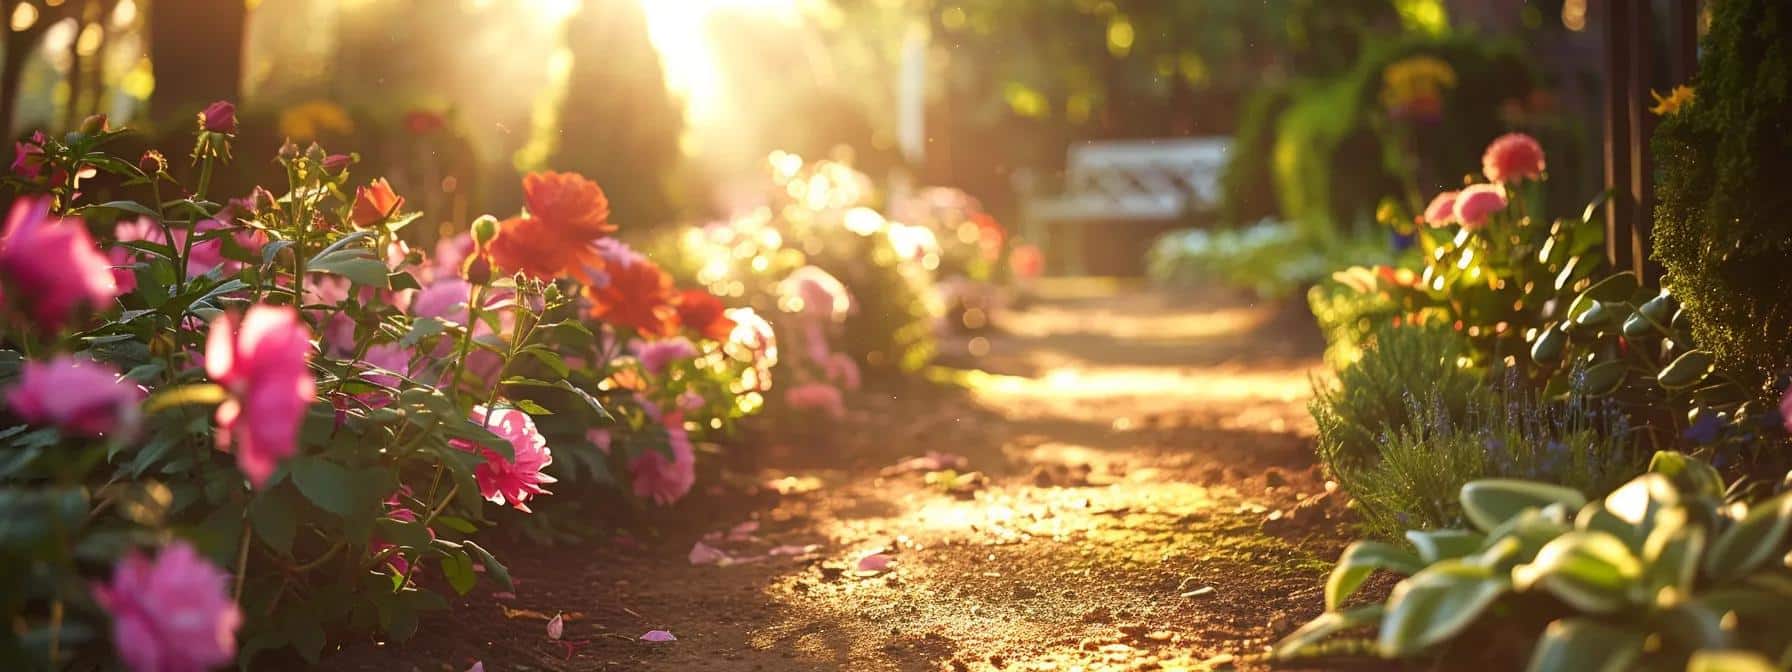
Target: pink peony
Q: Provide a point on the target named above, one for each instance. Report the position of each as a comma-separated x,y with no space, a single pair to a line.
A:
51,263
816,397
81,397
666,480
656,356
173,614
263,365
1475,204
1513,157
517,480
219,117
1442,210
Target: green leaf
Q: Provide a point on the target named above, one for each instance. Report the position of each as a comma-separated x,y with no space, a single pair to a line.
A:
532,408
325,483
1360,560
1603,378
421,329
493,568
1585,645
184,395
274,520
411,534
1687,370
1490,502
458,569
1691,475
1549,346
357,264
1729,661
1591,571
457,523
132,207
1614,288
1326,625
1751,541
1436,604
1436,545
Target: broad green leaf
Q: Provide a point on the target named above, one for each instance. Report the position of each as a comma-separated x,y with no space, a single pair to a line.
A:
1435,545
1436,604
493,568
1615,287
132,207
1360,560
274,520
325,483
1603,378
1489,502
1585,645
1592,571
1687,370
1692,475
357,264
1729,661
409,534
1326,625
1751,541
458,569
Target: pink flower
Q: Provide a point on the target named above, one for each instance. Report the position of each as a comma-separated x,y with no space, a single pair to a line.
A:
816,397
1513,157
514,481
1442,210
658,636
209,254
655,356
81,397
263,365
601,438
219,117
817,293
1786,409
843,370
666,480
1475,204
28,157
51,263
173,614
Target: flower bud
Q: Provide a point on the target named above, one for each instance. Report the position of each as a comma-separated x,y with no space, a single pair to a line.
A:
219,117
152,163
334,164
288,151
94,124
485,230
477,270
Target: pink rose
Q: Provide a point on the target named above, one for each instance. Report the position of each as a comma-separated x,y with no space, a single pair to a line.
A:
51,263
816,397
666,480
219,117
517,480
263,366
1442,210
81,397
173,614
1476,203
1513,157
655,356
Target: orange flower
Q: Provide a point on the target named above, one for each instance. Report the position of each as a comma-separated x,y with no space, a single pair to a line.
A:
529,246
575,207
374,204
638,295
701,312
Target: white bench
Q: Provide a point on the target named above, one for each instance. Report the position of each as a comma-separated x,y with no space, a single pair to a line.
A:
1160,180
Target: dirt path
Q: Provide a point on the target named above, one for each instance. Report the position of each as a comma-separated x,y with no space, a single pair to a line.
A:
1132,446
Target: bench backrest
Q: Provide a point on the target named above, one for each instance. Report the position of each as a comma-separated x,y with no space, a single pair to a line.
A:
1160,167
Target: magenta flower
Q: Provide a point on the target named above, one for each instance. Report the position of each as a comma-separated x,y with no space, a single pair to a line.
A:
263,365
51,263
1475,204
28,157
816,397
1513,157
219,117
518,480
173,614
1786,409
81,397
655,356
1442,210
666,480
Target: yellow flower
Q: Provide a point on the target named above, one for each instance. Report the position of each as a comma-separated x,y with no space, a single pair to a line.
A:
1416,84
306,121
1671,103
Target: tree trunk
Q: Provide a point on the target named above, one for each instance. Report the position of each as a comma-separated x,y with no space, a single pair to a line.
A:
196,53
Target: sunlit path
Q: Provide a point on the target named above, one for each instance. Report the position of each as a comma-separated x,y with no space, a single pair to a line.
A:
1125,442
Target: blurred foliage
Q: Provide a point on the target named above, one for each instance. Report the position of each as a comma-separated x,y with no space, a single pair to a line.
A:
1271,258
1721,226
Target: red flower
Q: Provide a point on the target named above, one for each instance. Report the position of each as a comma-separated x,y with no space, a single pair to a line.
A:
374,204
219,117
638,295
530,246
423,122
575,207
701,312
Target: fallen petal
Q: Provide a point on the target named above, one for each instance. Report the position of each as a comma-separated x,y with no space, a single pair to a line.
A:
743,531
556,627
658,636
790,549
478,666
876,562
705,554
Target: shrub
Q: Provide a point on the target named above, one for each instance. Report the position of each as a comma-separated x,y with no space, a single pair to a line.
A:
1724,158
1248,185
1379,393
1662,571
1270,258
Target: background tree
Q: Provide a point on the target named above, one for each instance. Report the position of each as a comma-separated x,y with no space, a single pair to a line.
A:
196,52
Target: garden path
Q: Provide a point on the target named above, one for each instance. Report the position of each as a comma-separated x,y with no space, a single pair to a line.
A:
1146,501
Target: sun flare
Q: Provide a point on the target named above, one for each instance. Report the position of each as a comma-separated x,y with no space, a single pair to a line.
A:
679,31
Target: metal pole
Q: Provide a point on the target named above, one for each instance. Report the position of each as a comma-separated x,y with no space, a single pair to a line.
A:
1620,211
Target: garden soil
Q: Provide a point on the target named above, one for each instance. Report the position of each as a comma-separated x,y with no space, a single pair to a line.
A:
1138,493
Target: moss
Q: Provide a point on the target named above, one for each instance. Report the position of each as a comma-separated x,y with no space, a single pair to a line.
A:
1723,231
